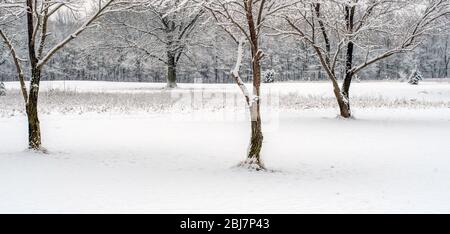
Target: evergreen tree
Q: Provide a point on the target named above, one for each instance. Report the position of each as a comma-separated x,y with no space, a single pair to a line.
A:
269,76
415,77
2,89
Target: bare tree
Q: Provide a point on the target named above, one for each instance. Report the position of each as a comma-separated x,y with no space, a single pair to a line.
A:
245,21
161,30
336,27
38,15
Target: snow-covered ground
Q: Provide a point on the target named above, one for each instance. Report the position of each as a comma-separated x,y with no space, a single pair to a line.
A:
431,90
130,148
77,97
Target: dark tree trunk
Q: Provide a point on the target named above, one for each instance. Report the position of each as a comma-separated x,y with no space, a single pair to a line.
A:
256,141
34,128
344,105
171,71
254,160
340,94
344,101
256,123
348,73
446,69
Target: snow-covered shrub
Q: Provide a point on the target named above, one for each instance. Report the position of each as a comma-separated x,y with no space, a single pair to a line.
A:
2,89
269,76
415,77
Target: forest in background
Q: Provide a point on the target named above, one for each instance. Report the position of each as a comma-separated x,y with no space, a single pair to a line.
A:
111,53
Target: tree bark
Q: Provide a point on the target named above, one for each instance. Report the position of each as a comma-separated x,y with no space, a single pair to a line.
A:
34,128
256,140
171,71
344,105
253,160
254,152
344,99
348,73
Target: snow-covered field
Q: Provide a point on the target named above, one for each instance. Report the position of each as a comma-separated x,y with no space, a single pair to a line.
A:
134,148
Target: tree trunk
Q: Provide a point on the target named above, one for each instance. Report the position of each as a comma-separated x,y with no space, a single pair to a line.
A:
344,97
257,136
446,68
256,140
34,129
348,73
344,105
253,160
171,71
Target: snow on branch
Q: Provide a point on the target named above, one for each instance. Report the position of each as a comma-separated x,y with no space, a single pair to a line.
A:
102,10
237,68
10,11
17,63
426,22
